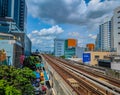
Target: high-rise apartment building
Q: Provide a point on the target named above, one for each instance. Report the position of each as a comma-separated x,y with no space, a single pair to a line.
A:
104,38
16,10
116,29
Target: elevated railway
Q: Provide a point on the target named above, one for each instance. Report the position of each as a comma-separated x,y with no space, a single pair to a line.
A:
82,80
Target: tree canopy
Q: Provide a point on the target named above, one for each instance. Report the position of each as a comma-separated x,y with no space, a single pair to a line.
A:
15,81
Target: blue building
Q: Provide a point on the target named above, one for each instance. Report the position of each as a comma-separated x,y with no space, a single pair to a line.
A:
15,9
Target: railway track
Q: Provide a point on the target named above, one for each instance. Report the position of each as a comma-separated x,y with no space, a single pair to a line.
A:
88,70
86,78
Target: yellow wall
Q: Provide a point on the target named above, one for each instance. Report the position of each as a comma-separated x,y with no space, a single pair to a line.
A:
100,54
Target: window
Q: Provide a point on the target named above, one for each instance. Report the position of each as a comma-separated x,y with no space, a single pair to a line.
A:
118,27
118,12
119,17
118,43
96,56
118,32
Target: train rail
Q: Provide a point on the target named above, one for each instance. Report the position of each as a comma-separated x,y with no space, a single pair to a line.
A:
106,86
109,79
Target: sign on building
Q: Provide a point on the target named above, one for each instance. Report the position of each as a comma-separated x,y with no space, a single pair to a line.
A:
86,57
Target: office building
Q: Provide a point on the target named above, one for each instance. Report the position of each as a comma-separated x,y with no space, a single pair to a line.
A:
66,48
70,48
16,10
59,47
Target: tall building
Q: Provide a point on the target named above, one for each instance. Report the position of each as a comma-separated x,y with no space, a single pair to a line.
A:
16,10
97,43
116,29
20,14
59,47
70,48
13,20
65,48
105,38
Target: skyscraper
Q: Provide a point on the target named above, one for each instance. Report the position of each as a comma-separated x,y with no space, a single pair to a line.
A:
104,40
16,10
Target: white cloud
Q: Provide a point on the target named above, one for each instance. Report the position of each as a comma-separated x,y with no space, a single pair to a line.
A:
92,36
74,34
44,37
54,30
72,11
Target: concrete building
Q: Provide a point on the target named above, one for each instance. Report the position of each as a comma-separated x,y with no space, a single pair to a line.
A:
13,20
12,47
92,57
59,47
105,30
90,47
116,29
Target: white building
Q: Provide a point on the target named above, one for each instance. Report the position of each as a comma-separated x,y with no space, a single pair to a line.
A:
59,47
105,35
116,29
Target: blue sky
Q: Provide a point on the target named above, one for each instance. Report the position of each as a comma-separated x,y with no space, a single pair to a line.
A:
79,19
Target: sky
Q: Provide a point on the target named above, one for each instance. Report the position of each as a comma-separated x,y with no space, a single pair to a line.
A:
62,19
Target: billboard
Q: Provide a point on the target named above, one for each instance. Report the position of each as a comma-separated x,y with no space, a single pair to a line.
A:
86,57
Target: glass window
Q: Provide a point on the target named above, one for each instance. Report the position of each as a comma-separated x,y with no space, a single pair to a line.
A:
96,56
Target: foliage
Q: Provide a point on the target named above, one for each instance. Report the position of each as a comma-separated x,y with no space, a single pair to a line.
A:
31,61
15,81
62,56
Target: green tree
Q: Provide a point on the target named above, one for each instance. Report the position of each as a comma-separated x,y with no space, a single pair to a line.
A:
15,81
63,56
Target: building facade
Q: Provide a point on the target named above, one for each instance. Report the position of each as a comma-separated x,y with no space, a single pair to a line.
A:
104,37
13,20
70,48
66,48
116,29
90,47
16,10
59,47
12,48
92,57
97,43
79,52
105,30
